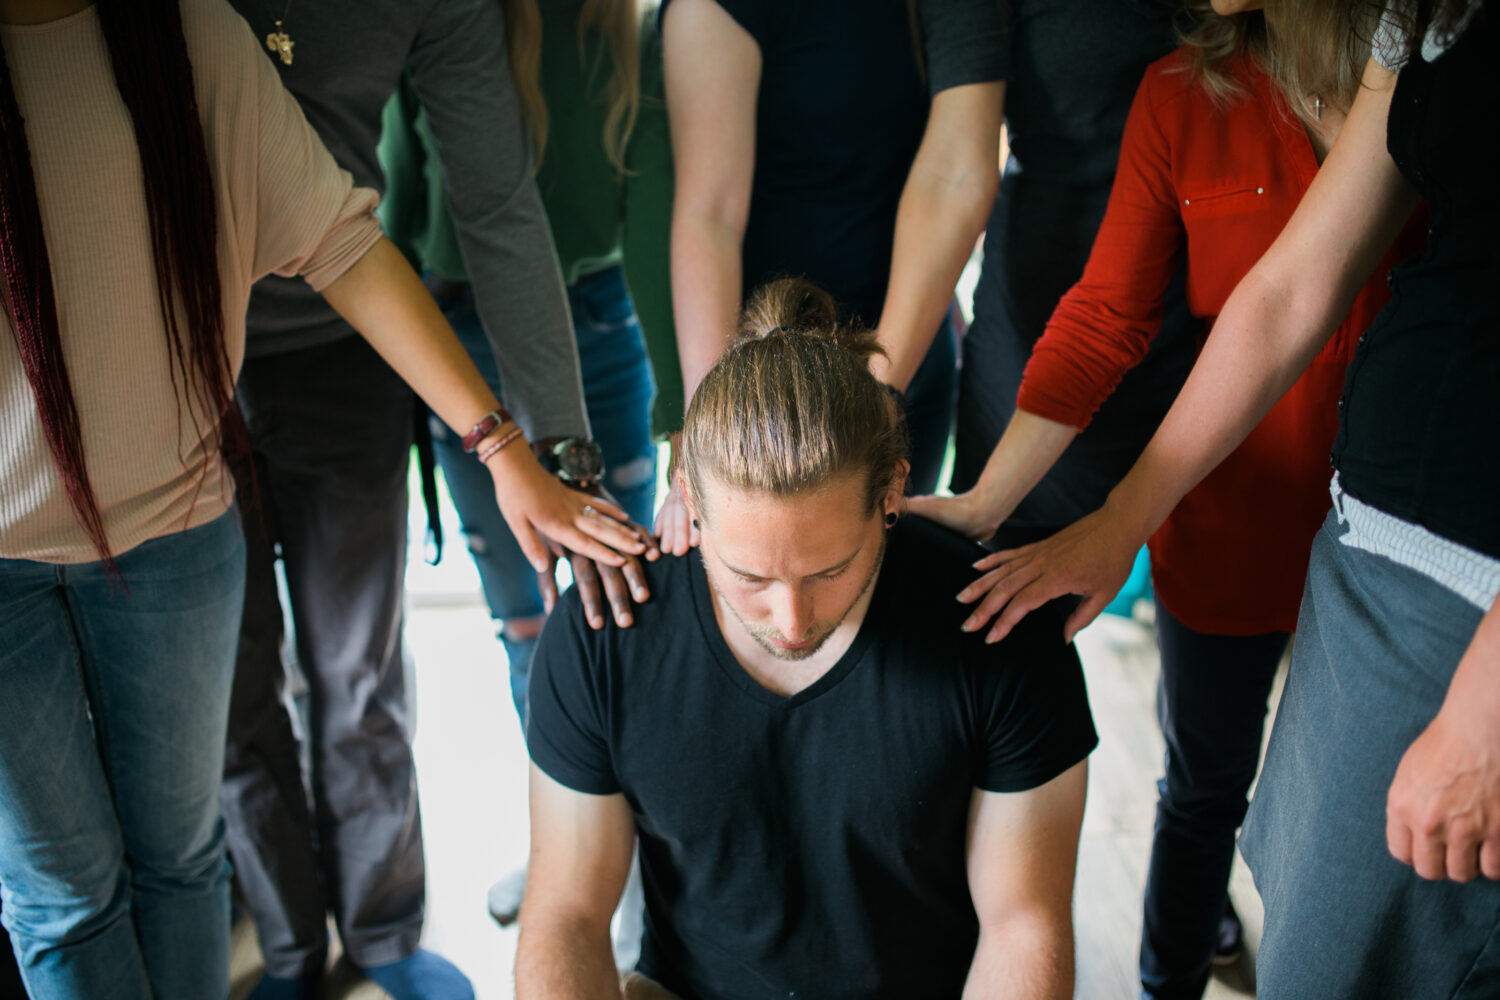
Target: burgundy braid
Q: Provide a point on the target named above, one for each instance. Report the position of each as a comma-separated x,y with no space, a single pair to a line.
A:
148,53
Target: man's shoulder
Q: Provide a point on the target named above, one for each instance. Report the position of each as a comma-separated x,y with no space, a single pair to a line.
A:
669,580
926,567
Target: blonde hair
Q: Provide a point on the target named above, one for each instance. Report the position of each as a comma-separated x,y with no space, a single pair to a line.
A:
792,404
617,21
1309,47
523,43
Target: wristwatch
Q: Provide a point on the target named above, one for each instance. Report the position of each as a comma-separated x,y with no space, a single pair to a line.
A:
576,461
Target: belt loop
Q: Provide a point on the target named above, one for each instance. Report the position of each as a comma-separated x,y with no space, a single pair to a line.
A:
1337,492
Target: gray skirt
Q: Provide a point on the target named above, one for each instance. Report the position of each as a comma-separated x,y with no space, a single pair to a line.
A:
1376,647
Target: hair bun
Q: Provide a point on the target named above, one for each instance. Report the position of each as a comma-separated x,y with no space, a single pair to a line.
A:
795,306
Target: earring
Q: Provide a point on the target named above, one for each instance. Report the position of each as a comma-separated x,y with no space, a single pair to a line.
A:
890,519
695,524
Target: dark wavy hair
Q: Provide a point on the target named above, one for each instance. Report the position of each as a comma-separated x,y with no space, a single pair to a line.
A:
149,57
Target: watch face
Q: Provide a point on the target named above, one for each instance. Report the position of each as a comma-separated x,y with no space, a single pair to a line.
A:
580,460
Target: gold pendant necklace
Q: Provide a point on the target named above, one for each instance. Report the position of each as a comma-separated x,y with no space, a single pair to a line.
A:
278,42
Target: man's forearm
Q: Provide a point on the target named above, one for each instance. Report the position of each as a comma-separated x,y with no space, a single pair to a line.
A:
1025,958
565,960
940,218
706,292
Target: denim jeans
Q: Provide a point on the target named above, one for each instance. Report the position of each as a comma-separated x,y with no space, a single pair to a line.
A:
111,746
1211,702
1377,645
618,390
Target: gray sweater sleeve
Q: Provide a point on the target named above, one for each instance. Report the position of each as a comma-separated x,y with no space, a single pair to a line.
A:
462,77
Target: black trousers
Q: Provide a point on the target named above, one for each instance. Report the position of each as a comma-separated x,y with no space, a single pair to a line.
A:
331,429
1211,702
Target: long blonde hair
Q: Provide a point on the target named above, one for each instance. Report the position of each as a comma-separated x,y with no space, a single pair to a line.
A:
1311,48
617,21
792,404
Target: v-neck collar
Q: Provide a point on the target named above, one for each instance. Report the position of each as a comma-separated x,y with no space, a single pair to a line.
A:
713,636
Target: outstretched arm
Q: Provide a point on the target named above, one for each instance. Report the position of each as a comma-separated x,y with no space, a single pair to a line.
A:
1022,850
1271,327
944,205
382,298
581,847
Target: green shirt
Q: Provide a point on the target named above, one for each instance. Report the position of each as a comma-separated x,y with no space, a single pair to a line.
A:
598,218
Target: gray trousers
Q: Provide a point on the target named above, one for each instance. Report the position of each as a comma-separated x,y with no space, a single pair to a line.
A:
1376,648
331,431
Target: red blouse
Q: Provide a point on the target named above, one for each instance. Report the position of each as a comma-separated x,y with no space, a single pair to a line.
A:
1219,183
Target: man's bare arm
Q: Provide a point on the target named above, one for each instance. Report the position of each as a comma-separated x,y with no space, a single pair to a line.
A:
1022,852
581,846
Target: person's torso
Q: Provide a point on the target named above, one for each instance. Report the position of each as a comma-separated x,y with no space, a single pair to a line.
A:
1421,408
840,113
1232,556
347,57
581,189
1076,66
151,452
812,845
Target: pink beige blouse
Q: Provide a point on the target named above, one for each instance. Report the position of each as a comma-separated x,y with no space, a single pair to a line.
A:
284,206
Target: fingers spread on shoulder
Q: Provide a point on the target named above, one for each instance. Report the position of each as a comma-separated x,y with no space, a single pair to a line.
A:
1027,600
618,593
635,576
590,592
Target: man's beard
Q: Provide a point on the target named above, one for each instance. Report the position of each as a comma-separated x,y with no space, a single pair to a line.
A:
765,636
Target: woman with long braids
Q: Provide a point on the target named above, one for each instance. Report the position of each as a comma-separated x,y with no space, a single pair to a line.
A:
151,168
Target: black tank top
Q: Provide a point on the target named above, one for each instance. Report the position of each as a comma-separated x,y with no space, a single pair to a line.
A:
1420,417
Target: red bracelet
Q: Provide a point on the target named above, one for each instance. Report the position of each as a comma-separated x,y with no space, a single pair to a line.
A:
486,425
488,453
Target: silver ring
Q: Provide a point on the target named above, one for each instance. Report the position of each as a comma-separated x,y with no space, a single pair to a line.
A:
588,510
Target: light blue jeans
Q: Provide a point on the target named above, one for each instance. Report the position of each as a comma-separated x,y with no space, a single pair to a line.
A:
111,746
617,388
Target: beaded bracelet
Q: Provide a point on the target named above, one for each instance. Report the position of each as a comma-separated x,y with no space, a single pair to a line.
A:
492,450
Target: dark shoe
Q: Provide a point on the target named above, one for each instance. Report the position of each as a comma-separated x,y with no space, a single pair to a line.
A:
278,988
1230,943
505,897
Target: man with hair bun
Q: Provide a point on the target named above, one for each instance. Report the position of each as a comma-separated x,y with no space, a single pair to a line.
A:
837,793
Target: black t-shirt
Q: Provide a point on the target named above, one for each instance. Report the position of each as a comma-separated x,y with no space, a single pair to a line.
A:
1421,410
839,116
1075,68
810,846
